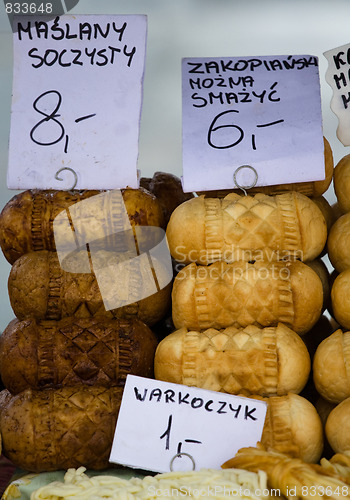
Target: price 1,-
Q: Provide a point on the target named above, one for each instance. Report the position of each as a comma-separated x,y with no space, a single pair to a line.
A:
163,426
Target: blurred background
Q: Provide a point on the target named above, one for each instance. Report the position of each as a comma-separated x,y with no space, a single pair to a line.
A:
190,28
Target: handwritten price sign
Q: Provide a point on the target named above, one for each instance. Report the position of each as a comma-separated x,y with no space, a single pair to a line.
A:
50,121
76,104
338,77
264,112
163,426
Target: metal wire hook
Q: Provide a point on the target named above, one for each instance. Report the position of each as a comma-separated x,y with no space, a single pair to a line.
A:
73,172
243,188
181,454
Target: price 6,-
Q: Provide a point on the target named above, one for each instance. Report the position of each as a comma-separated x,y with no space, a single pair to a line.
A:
264,112
219,123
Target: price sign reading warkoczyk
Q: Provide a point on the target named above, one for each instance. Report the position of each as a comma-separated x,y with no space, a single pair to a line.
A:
163,426
264,112
76,105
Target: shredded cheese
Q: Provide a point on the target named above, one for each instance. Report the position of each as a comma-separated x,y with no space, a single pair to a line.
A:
206,483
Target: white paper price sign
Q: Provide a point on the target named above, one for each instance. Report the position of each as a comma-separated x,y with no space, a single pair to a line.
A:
163,426
338,77
77,93
264,112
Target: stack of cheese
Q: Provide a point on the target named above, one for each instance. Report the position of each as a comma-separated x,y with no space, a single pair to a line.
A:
243,300
65,357
331,366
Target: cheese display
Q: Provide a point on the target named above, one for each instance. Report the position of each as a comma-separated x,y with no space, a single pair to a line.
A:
330,367
238,227
66,427
337,427
341,299
66,355
247,289
240,294
237,329
338,243
293,427
74,351
270,361
292,477
39,287
26,221
210,483
160,323
342,183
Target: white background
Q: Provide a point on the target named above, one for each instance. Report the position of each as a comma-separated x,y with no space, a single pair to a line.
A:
103,150
137,440
191,28
297,143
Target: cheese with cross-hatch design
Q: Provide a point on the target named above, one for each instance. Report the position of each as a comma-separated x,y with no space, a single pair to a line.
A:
241,294
40,288
54,429
269,362
249,228
74,352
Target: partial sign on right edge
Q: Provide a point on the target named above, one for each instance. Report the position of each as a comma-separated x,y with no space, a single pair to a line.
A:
338,77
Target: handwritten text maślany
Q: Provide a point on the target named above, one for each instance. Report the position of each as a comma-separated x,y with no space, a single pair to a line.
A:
76,56
60,31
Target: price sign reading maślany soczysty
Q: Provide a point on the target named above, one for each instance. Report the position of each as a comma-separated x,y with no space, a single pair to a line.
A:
76,105
264,112
163,426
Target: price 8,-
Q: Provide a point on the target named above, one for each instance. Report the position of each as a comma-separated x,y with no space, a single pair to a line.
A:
77,94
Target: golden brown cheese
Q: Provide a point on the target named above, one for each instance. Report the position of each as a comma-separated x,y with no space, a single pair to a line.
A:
241,294
74,352
270,361
249,228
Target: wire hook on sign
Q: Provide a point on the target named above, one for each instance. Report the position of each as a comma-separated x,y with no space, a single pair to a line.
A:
73,172
255,180
182,454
